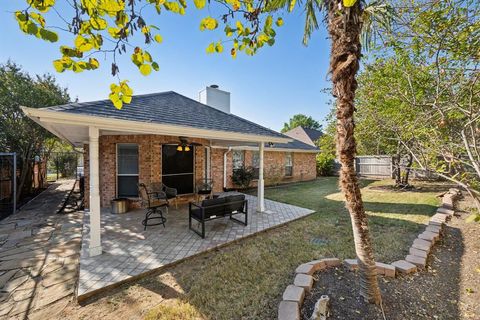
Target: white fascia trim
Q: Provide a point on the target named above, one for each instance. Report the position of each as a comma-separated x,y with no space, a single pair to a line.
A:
267,149
144,127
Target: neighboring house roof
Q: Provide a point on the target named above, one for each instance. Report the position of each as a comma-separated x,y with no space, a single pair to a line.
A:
295,145
168,108
306,135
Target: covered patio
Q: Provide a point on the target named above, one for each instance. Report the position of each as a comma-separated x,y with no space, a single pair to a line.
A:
129,251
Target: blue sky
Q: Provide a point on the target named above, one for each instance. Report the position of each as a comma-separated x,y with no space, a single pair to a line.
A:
267,88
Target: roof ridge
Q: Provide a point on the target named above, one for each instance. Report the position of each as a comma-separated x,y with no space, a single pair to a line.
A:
231,114
71,105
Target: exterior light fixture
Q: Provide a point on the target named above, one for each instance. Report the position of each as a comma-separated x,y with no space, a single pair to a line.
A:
179,148
187,148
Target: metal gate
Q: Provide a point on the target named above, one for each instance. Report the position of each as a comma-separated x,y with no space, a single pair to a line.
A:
8,184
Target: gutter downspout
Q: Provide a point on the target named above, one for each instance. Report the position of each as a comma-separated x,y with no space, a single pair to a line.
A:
225,167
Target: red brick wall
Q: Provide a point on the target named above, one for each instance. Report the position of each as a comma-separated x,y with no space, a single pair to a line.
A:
150,164
150,161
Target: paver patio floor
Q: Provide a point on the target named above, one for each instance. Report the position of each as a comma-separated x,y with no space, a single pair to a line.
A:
129,251
39,252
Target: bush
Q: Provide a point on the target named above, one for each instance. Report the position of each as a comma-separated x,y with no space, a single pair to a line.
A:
243,177
325,164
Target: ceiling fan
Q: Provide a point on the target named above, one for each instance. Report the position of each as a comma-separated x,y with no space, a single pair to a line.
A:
184,144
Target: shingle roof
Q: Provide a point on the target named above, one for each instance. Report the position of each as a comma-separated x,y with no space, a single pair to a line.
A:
169,108
313,134
295,144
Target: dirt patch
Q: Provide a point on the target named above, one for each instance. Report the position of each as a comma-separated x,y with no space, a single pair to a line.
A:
448,289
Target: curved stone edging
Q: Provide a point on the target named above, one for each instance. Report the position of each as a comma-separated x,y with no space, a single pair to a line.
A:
294,294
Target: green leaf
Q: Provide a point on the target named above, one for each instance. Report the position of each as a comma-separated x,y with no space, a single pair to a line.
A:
48,35
228,31
31,28
155,66
145,69
199,3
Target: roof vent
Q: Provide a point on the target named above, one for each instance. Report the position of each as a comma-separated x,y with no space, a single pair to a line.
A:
215,98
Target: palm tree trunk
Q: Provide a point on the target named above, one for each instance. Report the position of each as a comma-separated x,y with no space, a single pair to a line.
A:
344,27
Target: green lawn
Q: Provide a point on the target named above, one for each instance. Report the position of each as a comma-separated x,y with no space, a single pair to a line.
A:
246,280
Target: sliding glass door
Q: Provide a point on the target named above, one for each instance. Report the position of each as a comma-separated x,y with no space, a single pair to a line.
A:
178,168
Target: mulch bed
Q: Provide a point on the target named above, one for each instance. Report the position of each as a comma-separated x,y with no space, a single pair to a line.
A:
448,289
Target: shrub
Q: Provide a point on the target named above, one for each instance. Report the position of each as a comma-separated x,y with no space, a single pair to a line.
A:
325,164
243,177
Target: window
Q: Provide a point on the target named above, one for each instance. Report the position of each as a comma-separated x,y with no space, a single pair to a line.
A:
127,170
288,164
256,163
238,159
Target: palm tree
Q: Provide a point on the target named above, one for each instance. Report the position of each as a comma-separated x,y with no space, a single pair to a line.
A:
349,22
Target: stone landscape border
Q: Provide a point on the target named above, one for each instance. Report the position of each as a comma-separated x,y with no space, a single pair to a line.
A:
293,296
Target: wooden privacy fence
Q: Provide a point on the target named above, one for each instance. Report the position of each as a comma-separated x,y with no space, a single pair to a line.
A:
381,167
377,166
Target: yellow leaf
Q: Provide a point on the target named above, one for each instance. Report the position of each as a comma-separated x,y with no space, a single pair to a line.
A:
114,32
208,23
219,47
145,69
118,104
126,99
239,26
93,63
279,22
147,57
83,44
211,48
98,23
158,38
199,3
58,65
292,5
349,3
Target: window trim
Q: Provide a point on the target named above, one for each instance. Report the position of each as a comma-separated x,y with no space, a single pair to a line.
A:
125,174
288,166
233,159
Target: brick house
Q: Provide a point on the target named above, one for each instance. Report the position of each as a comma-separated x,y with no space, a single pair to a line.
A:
167,137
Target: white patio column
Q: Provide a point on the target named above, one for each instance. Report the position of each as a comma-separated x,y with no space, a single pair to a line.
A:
95,247
260,197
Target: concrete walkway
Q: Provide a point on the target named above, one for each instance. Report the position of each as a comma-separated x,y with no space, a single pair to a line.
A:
39,252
